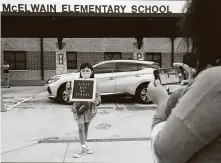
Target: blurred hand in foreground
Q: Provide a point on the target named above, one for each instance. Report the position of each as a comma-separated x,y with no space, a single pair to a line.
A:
156,92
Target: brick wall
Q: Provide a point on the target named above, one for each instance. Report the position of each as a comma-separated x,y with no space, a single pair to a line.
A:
33,60
32,46
49,60
157,45
92,44
88,50
25,75
165,60
92,57
21,44
49,73
178,57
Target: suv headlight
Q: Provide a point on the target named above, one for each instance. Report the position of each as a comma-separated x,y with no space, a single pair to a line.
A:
53,79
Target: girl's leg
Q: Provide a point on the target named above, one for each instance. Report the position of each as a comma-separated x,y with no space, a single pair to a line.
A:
81,133
82,150
86,126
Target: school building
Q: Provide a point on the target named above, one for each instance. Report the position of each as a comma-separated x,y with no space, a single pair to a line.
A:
34,51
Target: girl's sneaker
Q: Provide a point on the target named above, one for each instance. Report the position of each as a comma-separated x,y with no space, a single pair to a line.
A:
80,152
89,151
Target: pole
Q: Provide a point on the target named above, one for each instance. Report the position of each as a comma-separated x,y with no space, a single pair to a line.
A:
172,50
42,59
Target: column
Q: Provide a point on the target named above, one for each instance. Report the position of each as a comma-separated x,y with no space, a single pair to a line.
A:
172,50
138,54
61,62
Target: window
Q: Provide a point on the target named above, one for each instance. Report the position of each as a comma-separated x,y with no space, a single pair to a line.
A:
155,57
71,60
17,60
143,66
105,68
112,55
126,67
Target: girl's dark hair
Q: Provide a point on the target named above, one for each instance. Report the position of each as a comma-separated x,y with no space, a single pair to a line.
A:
88,65
201,25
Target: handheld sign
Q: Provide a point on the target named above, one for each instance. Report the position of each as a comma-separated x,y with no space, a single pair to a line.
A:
83,90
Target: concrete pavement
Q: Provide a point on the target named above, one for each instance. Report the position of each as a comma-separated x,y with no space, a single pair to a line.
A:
105,152
119,132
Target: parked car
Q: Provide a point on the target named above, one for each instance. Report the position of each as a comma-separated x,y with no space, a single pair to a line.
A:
113,77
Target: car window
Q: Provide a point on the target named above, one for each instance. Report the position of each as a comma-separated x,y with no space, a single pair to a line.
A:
105,68
143,66
155,66
126,66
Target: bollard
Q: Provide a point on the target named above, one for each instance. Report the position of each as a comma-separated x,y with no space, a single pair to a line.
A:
2,105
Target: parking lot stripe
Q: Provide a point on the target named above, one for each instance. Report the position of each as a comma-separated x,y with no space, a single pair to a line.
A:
19,103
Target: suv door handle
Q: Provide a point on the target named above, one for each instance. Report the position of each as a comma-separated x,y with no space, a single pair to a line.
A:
111,78
137,75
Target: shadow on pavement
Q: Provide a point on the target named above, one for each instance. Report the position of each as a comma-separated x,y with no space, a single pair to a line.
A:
118,99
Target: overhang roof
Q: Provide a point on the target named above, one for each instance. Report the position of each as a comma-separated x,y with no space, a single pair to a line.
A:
70,25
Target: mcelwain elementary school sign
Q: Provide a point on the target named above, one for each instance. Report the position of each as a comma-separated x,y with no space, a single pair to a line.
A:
108,6
108,18
85,8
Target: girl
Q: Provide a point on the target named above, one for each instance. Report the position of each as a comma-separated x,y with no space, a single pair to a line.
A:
83,120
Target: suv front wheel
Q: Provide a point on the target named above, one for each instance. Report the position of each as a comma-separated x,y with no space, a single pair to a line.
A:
63,95
142,94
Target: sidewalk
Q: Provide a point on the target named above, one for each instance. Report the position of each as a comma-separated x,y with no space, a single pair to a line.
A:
115,136
105,152
119,132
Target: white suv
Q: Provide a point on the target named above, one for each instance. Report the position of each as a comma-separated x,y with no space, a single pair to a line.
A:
113,77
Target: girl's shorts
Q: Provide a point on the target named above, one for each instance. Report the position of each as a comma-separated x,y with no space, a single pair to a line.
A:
84,118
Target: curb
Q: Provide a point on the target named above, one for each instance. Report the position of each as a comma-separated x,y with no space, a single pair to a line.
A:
17,146
66,140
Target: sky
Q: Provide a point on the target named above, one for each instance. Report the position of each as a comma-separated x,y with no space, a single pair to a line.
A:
176,6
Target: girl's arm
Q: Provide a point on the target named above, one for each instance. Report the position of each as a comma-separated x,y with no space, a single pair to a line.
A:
98,97
97,100
73,109
193,123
